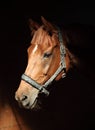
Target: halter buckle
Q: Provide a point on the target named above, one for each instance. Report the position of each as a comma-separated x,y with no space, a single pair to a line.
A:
43,90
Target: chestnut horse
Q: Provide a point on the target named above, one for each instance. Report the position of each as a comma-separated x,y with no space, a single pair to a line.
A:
49,59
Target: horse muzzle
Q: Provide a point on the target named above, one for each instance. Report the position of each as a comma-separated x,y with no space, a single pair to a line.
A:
29,100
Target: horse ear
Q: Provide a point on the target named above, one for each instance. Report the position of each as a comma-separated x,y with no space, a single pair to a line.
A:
33,25
49,27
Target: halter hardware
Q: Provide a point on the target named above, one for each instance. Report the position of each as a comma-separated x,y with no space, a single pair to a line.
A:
62,67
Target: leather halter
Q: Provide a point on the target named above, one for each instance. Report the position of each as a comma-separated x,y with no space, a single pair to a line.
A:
42,88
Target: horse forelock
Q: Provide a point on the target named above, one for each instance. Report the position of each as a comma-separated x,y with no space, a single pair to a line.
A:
42,38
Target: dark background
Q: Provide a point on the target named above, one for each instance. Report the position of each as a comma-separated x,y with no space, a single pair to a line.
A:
14,39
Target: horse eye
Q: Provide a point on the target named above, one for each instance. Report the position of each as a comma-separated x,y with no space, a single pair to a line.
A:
46,55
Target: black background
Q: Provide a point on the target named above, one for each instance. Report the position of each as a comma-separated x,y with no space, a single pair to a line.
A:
15,38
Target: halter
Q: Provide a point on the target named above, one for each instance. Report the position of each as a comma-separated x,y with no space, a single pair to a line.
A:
43,88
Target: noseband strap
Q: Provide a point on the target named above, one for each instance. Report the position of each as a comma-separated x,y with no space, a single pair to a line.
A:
34,84
42,88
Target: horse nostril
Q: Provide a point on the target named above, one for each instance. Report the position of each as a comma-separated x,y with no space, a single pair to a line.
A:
24,97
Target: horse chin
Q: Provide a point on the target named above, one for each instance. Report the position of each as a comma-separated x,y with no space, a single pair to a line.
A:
39,102
36,105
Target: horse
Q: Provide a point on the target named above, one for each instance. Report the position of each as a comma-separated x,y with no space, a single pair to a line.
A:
49,60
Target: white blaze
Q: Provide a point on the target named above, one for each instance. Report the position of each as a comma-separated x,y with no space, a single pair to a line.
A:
34,50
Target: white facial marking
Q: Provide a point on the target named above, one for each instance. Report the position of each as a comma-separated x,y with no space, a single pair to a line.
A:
35,49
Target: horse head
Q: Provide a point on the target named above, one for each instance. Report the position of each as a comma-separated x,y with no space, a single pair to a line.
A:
46,62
